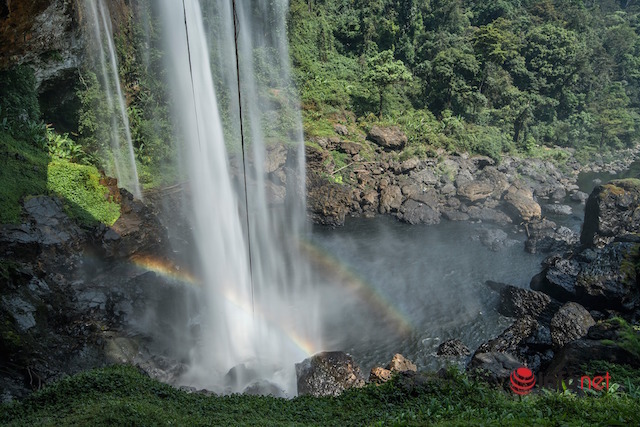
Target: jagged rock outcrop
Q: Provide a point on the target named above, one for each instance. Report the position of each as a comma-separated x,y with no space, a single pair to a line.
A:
328,374
398,364
571,322
612,210
63,308
517,302
598,279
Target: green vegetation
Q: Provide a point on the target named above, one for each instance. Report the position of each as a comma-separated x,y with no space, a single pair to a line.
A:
482,77
84,197
23,169
629,336
35,160
121,395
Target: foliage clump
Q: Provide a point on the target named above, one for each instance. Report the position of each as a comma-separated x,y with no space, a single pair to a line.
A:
488,77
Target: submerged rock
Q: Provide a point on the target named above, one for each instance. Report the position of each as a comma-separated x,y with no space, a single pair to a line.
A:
328,374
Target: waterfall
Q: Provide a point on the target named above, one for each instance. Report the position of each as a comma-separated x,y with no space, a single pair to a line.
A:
257,312
123,158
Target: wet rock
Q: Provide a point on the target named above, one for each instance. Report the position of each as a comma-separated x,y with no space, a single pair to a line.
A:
550,240
495,239
20,310
138,230
391,138
455,215
415,212
328,203
556,209
611,210
580,196
276,157
571,322
488,214
520,203
494,367
593,278
390,199
453,347
264,388
511,338
328,374
518,302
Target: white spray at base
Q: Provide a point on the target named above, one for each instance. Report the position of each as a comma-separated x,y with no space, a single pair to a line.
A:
260,320
124,164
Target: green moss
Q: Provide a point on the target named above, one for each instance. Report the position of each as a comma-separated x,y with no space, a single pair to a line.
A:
121,395
10,338
84,197
23,169
629,184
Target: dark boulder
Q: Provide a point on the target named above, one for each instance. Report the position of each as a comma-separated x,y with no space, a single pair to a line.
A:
328,203
137,231
511,338
494,367
518,302
604,341
611,211
570,323
550,239
328,374
598,279
415,212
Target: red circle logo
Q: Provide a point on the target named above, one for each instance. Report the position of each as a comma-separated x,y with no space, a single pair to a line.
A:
522,381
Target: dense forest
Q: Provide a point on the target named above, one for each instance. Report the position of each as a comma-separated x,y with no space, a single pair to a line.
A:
486,77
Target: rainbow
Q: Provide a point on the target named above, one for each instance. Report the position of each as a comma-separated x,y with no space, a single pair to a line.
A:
321,259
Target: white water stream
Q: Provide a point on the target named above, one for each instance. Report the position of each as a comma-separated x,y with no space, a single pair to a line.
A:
257,311
123,164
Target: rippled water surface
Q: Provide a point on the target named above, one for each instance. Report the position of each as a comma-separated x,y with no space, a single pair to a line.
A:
394,288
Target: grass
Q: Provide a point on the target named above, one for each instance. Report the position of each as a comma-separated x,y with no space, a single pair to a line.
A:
27,170
84,197
23,169
121,395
